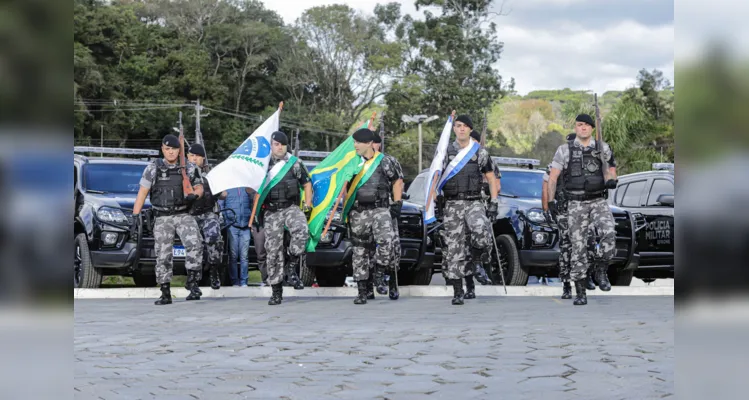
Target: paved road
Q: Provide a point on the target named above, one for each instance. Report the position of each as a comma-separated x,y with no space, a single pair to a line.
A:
415,348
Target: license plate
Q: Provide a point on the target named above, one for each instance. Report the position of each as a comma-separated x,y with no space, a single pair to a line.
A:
179,251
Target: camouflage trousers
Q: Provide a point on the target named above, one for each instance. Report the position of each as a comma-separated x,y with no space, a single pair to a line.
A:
275,222
581,215
565,246
370,228
186,228
463,217
395,249
213,243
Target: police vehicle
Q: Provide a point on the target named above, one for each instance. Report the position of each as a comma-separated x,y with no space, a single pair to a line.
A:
528,244
330,264
105,189
650,194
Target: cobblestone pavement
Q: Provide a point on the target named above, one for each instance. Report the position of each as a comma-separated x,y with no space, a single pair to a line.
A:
415,348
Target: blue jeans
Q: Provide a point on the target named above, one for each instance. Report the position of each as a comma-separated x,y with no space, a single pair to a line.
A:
239,247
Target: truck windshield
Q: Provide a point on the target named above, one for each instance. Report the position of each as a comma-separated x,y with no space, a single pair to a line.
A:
522,184
113,178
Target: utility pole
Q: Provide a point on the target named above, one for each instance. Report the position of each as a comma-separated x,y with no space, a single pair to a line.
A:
420,119
198,133
296,143
102,139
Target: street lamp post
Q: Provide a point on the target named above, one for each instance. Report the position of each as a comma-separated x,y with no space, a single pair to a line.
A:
420,119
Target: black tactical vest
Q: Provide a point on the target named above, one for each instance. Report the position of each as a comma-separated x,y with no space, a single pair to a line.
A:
166,193
466,183
204,203
584,171
286,191
376,190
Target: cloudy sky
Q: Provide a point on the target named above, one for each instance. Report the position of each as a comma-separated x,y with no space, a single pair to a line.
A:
595,45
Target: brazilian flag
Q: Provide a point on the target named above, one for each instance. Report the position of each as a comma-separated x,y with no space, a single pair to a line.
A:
328,178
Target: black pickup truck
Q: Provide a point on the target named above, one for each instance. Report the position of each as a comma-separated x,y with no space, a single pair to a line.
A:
651,195
105,189
527,243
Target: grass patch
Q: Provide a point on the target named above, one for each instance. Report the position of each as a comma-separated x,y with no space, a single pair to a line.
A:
177,280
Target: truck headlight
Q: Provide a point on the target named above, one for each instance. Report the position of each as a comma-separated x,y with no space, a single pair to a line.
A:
536,215
110,214
540,237
109,238
327,238
337,217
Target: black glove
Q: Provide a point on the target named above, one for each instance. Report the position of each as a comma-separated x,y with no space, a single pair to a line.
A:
134,226
395,209
307,210
493,210
548,217
611,183
191,198
554,208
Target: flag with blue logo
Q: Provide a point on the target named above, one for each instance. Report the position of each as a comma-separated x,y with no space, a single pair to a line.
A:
247,166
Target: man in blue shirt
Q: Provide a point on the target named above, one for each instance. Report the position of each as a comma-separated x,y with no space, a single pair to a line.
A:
238,200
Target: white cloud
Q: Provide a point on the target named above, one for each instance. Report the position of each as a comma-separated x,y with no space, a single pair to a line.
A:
560,51
571,56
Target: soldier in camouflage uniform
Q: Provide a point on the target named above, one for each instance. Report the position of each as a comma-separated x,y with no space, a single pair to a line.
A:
205,213
585,191
462,207
162,180
395,247
280,212
372,213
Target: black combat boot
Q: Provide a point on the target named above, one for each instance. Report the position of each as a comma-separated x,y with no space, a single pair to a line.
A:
277,296
370,287
215,280
480,258
192,285
291,267
470,288
362,297
166,295
580,299
602,278
589,283
457,292
393,286
379,279
566,290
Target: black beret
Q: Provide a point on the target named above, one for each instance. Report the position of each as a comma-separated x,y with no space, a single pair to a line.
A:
280,137
465,119
377,139
197,149
171,141
586,118
571,136
476,136
364,135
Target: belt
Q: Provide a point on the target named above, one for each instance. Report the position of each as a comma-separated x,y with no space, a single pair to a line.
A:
168,213
369,206
584,197
276,206
464,196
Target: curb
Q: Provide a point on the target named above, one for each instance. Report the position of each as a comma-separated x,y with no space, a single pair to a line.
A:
405,291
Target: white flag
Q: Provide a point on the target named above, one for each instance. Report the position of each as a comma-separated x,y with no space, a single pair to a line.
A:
436,170
247,166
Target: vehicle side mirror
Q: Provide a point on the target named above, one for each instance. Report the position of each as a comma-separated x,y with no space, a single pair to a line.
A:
666,200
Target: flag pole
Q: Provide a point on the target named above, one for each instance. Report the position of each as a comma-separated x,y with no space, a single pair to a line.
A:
257,194
436,177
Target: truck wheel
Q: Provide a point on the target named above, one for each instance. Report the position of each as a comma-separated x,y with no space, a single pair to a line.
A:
85,275
620,278
514,273
143,280
422,277
306,273
330,277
